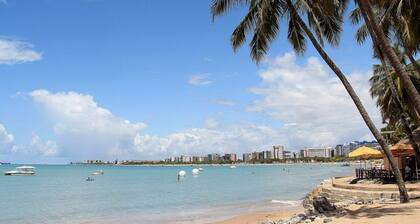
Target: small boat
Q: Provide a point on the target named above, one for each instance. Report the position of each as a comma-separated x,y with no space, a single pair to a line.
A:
233,167
21,170
90,179
345,164
98,172
200,169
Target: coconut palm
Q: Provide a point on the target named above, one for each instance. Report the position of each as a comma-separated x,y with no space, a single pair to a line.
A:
388,103
377,32
400,18
324,19
392,104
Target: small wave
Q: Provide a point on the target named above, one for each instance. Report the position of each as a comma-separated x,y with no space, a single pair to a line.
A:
291,203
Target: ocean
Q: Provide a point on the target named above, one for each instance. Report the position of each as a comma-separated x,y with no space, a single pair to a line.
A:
141,194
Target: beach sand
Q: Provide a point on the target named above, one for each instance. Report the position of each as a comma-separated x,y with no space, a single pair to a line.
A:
386,213
259,217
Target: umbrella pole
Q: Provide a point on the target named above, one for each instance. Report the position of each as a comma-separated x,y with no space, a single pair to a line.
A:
417,171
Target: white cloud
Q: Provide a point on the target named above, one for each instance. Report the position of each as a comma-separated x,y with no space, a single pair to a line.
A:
15,52
85,130
311,102
199,80
48,148
6,140
3,2
225,102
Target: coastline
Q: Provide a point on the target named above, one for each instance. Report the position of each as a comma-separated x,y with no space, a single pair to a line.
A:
353,208
262,217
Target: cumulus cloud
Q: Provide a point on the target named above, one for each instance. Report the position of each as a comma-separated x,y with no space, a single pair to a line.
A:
15,52
6,140
85,130
311,102
39,147
200,80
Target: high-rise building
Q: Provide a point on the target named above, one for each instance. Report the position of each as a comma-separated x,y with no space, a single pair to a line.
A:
230,157
214,157
314,152
267,155
246,157
278,152
339,150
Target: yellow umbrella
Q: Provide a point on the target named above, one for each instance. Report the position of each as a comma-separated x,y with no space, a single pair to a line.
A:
365,153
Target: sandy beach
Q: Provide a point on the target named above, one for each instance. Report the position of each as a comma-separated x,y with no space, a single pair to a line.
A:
260,217
384,213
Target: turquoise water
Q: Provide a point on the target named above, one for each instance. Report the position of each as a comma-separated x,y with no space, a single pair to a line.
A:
132,194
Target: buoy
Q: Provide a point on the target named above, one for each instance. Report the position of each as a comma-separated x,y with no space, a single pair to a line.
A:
182,173
195,171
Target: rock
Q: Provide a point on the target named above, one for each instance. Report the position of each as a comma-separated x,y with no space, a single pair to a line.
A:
321,204
360,202
327,220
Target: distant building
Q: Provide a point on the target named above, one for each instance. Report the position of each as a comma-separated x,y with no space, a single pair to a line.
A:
329,152
260,156
186,159
214,157
302,153
255,156
314,152
230,157
246,157
339,151
267,155
278,152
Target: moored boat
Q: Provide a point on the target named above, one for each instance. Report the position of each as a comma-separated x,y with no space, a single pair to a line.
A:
21,170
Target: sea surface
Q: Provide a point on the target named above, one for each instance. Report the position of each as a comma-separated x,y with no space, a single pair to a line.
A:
139,194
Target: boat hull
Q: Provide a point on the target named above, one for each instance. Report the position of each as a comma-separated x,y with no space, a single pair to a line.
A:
14,173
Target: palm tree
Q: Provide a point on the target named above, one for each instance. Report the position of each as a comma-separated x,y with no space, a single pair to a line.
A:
392,105
324,18
382,40
390,100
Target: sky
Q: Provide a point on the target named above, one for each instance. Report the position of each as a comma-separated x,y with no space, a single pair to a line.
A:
108,79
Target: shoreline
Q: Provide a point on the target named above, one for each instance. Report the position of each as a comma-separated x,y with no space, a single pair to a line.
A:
350,209
263,217
216,165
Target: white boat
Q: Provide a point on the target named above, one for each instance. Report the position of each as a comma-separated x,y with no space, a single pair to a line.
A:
233,167
98,172
21,170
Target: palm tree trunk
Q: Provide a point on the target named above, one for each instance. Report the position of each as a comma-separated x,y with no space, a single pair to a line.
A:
401,185
413,62
389,53
403,113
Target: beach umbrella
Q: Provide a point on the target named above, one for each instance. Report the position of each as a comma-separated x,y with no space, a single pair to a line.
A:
402,149
365,153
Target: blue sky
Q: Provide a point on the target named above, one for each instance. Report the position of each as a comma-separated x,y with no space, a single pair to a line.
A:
138,60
